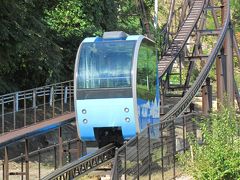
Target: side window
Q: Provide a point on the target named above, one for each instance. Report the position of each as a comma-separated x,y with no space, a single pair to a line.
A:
152,71
146,72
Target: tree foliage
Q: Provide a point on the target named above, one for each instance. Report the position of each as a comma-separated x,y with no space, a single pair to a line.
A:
28,55
69,18
39,39
81,18
235,8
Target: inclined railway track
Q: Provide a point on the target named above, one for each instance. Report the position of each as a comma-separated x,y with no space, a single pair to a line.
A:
181,38
83,165
179,108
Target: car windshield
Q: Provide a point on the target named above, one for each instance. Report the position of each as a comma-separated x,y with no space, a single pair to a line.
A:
105,64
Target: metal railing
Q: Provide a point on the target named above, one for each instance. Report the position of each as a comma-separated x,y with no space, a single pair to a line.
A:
152,153
28,159
24,108
42,161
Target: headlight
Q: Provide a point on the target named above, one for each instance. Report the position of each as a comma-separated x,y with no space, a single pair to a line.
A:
126,110
85,121
127,119
84,111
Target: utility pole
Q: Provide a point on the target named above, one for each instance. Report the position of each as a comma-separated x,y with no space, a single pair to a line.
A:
155,14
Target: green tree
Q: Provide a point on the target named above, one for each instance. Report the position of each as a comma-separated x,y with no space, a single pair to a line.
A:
83,18
29,57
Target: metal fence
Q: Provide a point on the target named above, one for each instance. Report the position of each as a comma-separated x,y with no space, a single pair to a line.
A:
24,108
152,153
27,159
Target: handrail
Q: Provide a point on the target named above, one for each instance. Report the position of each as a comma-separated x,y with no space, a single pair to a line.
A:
179,108
28,92
41,87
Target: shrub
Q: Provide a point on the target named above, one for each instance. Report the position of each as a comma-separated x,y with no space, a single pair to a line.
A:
219,155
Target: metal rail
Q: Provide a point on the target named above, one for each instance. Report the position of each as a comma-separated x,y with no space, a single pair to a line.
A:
84,164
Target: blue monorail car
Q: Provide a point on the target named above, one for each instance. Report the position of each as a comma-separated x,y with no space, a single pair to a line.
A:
116,87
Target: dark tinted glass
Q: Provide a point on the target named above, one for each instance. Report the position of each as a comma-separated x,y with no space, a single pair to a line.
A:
104,93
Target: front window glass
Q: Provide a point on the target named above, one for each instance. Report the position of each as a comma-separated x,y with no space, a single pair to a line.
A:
105,65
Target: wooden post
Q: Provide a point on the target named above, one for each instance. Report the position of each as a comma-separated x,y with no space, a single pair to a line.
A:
162,99
220,83
62,98
205,107
27,159
60,141
229,67
6,170
228,51
209,90
79,148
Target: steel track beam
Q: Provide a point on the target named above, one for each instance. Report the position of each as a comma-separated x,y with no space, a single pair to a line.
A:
83,165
